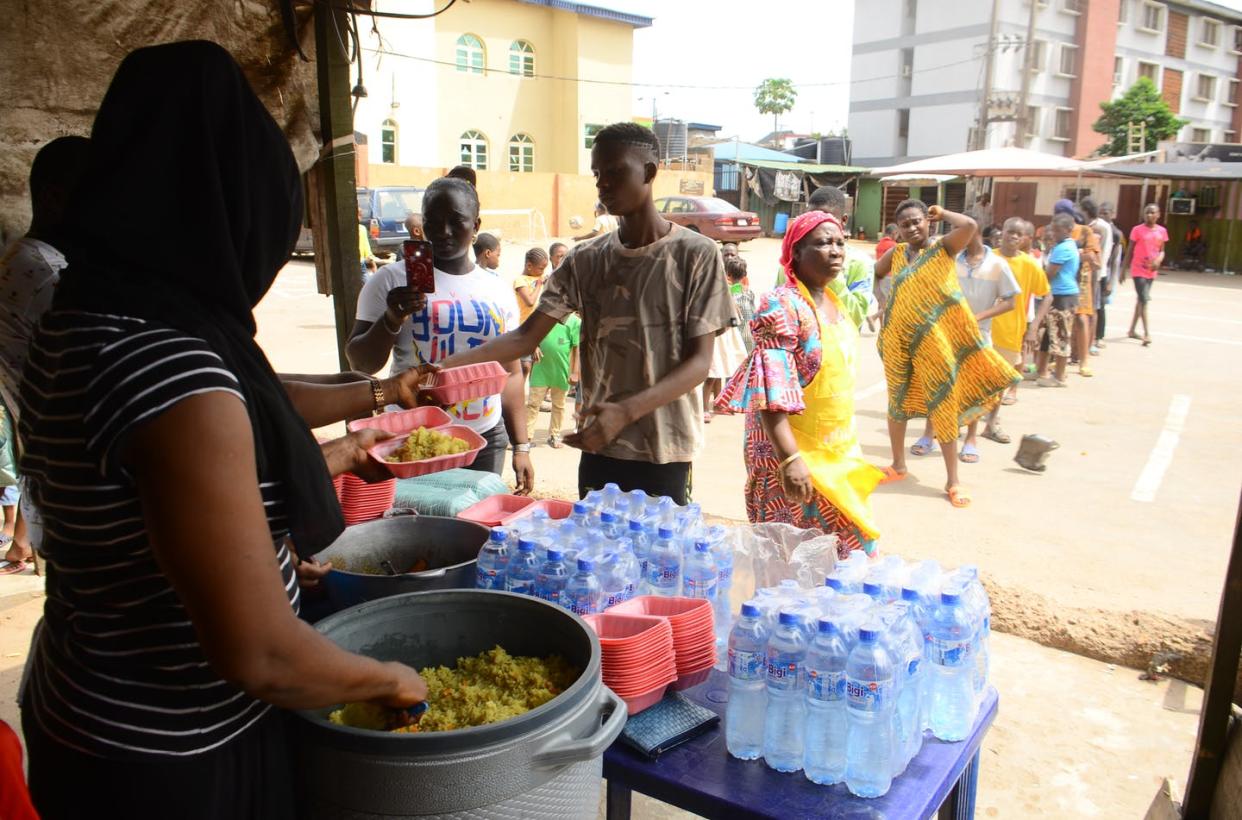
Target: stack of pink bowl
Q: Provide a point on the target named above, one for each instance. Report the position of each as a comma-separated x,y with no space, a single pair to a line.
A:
694,635
638,660
361,501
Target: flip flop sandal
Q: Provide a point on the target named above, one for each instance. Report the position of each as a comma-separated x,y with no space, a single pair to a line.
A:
959,497
14,567
1146,341
998,435
1134,335
1009,401
891,475
923,447
969,454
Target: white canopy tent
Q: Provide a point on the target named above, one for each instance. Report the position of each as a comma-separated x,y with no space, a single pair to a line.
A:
989,162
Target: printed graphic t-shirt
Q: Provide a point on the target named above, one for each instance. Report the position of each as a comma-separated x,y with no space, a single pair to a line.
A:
464,312
1148,242
640,308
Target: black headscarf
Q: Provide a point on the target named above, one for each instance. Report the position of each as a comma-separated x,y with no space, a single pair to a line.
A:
189,207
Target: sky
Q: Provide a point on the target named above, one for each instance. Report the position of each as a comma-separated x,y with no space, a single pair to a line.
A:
739,43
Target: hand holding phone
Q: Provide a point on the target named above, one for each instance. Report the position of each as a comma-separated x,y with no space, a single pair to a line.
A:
420,273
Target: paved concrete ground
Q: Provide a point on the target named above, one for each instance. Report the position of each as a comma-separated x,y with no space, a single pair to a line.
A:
1134,513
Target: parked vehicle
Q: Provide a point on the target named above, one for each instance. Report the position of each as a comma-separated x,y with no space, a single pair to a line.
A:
384,211
712,217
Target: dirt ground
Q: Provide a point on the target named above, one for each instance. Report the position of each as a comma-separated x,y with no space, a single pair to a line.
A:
1117,552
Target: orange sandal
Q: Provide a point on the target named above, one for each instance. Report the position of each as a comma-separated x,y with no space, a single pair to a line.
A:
959,497
891,475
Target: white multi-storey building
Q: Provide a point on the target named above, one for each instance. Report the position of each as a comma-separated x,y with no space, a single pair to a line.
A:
919,69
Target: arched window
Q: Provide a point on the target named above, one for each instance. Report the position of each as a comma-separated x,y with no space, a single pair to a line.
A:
522,58
521,153
470,56
474,150
388,141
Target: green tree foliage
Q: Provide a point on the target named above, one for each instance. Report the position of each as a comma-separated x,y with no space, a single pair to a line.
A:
1141,104
775,96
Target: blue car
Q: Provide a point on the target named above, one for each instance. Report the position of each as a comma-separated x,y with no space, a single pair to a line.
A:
384,211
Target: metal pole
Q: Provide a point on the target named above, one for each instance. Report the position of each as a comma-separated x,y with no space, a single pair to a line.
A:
1028,63
338,183
1228,242
981,136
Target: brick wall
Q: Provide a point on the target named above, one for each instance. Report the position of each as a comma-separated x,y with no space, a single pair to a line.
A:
1171,89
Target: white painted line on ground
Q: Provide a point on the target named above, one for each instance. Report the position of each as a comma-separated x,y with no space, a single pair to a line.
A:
1199,338
868,392
1162,454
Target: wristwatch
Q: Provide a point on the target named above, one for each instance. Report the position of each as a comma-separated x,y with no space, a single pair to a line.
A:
524,447
377,393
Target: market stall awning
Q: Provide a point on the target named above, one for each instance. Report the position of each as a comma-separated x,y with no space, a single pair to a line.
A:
917,180
990,162
804,167
1224,171
750,153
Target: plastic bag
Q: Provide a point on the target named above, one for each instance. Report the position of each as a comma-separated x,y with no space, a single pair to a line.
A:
447,493
771,553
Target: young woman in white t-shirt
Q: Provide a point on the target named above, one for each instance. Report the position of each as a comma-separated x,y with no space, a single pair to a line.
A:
469,306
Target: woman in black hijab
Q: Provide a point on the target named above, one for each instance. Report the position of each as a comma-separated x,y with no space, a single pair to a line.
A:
169,465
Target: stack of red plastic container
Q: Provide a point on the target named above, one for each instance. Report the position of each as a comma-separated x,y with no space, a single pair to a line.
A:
651,643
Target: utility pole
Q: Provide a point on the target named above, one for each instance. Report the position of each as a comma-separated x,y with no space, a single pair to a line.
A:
1028,65
335,170
981,136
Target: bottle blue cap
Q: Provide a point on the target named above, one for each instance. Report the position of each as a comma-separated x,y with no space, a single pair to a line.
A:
586,565
607,517
610,487
834,582
526,546
665,533
950,597
826,626
908,594
555,555
636,525
749,610
869,634
871,588
789,619
500,534
702,546
581,508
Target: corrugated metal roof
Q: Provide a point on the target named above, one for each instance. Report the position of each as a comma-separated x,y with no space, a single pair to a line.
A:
749,152
1224,171
635,20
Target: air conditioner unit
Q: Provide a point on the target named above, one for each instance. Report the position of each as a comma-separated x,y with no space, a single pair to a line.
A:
907,71
1185,206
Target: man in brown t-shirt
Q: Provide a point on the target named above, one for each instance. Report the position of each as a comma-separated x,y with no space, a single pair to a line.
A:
652,296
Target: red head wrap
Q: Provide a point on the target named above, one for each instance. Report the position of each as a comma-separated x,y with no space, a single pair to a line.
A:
798,229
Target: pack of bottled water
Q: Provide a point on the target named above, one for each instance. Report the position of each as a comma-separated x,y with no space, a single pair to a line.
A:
842,682
614,545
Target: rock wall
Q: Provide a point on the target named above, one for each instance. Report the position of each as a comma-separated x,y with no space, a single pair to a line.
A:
57,57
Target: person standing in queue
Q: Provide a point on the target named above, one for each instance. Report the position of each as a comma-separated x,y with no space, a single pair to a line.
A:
173,469
652,298
936,362
469,306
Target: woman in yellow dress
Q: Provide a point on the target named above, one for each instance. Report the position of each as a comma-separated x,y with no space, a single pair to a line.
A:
804,466
936,362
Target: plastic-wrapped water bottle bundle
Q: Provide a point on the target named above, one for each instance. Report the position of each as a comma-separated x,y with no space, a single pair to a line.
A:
619,544
842,682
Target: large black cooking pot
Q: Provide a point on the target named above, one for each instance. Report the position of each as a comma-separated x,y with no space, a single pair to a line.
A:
446,547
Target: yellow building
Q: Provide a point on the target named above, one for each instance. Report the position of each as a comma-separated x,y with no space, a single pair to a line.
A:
499,85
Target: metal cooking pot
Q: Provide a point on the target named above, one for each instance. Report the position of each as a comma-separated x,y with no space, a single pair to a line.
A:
547,762
449,546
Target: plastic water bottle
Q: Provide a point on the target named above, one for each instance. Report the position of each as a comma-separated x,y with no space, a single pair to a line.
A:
823,759
907,645
552,579
722,552
583,593
581,515
635,504
701,574
976,599
493,558
748,664
522,570
640,536
610,525
610,498
868,698
951,669
664,565
785,723
627,566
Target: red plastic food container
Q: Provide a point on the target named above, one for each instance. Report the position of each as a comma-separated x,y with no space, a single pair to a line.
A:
498,510
472,381
409,469
404,421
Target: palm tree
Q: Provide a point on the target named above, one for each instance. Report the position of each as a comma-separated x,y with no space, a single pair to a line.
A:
775,96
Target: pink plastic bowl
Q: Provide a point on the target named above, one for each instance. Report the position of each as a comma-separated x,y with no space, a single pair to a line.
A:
404,422
431,465
472,381
497,510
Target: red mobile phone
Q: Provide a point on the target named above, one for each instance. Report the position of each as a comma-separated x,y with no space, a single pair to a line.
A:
420,273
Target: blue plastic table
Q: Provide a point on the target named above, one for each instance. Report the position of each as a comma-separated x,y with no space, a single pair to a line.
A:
701,777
